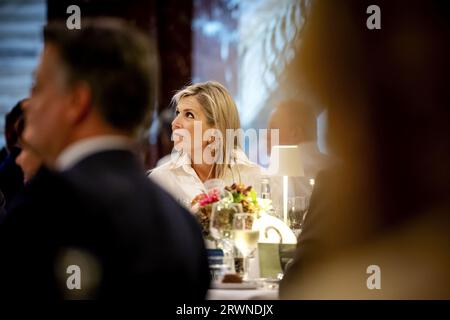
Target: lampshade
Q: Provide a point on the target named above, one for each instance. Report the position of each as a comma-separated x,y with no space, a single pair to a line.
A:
286,161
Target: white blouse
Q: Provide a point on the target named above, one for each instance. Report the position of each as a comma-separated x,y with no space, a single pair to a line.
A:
179,179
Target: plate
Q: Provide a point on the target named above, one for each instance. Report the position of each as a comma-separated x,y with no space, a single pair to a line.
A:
236,286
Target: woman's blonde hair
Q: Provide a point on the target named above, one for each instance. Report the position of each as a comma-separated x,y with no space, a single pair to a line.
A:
221,113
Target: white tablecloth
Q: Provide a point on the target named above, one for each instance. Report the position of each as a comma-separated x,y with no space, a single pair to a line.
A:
234,294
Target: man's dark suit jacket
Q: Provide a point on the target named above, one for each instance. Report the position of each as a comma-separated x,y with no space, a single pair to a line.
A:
129,238
2,206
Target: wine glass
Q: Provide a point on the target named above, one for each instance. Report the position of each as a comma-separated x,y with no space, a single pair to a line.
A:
246,235
214,184
297,207
221,224
222,219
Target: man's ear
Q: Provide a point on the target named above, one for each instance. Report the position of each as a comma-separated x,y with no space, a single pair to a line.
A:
81,102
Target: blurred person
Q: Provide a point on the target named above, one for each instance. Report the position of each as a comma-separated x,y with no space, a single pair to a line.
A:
2,206
211,106
12,119
297,125
91,224
387,201
29,161
3,153
11,176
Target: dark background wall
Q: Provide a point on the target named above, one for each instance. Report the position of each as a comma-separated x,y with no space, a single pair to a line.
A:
168,22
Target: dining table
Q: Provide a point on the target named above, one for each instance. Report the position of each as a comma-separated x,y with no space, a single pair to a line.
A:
242,294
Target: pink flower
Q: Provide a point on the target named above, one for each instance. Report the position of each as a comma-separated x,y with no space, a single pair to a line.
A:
211,197
204,202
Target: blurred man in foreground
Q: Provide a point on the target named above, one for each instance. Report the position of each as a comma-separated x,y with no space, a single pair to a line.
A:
92,225
378,223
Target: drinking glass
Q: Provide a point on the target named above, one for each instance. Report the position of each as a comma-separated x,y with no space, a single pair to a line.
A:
297,207
214,184
246,236
221,224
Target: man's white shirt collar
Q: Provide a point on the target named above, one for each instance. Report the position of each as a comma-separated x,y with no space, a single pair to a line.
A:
81,149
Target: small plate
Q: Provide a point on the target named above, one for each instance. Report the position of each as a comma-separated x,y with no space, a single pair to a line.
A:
236,286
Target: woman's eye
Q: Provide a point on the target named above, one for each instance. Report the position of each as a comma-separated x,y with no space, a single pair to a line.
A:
177,113
190,115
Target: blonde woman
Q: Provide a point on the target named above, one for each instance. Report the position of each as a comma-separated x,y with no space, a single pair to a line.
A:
206,143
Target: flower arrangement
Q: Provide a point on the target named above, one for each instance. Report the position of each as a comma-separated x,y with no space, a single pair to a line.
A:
205,199
236,193
202,207
245,196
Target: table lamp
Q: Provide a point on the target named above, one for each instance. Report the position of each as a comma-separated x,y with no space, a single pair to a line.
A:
285,161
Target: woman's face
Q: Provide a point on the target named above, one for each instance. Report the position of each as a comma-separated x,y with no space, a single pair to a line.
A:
189,119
